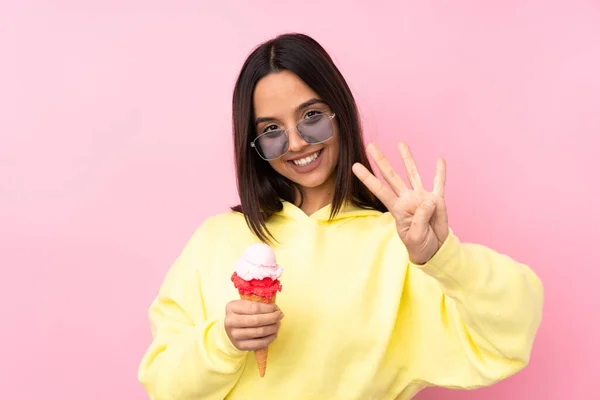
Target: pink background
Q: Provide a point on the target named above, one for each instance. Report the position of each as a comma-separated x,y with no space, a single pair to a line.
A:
115,145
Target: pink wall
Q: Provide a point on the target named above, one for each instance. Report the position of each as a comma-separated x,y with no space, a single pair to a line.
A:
114,146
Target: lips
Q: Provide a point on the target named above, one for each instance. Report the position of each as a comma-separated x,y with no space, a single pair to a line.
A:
305,160
307,163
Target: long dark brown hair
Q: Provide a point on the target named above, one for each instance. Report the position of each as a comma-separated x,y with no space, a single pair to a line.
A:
260,187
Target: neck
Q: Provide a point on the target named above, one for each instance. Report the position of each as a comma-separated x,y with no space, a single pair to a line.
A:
316,198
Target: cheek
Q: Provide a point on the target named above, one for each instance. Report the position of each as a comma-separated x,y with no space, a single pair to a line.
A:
278,165
335,150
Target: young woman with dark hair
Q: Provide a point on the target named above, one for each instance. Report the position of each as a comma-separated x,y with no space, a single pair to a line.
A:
381,298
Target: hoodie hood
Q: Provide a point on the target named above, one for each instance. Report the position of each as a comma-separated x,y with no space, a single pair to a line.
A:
348,211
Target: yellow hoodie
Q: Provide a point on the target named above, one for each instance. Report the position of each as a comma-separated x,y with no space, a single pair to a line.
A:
361,321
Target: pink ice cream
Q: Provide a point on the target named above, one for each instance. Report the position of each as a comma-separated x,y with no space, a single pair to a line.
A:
258,262
257,273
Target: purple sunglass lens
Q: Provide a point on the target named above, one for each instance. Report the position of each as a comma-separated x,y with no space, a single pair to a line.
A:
316,129
272,144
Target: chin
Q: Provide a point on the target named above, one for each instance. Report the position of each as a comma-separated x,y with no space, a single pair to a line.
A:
319,179
314,179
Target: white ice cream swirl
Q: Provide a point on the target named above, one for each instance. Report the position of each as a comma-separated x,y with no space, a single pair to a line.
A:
258,262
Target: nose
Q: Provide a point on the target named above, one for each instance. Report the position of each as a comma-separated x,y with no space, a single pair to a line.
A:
296,143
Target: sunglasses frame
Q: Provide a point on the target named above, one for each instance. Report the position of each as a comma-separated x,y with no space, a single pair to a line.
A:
253,144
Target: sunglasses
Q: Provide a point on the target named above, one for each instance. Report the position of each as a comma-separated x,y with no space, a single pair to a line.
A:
313,130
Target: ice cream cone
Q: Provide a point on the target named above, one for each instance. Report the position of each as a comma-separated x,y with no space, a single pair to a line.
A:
260,355
256,278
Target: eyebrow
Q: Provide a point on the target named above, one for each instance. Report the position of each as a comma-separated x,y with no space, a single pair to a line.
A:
307,103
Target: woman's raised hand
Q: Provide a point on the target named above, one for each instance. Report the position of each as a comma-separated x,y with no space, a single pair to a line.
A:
421,216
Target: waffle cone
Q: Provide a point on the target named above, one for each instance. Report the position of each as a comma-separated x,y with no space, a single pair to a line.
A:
260,355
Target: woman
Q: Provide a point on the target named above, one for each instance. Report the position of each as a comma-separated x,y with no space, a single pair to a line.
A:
381,298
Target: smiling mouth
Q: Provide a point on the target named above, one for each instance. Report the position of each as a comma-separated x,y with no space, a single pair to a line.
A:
302,162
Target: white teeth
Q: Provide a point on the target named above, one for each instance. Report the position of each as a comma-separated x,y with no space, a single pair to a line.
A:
307,160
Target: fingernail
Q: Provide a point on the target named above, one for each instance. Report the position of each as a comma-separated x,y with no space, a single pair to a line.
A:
428,202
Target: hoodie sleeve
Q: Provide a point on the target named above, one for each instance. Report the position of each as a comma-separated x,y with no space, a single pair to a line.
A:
488,311
190,357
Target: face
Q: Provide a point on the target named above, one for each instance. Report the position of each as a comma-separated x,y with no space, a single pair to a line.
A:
281,101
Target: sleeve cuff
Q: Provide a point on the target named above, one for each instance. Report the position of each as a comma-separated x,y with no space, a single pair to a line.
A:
218,336
447,266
